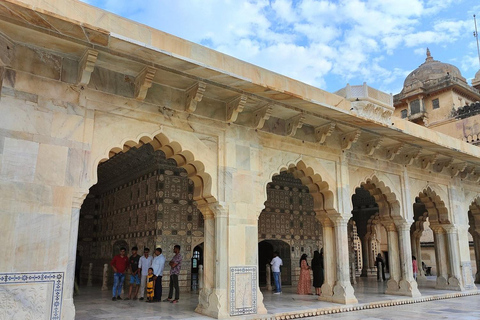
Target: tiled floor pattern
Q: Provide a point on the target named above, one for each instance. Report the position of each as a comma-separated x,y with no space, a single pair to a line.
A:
94,304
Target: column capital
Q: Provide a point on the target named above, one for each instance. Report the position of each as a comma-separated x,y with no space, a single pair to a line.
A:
213,210
78,197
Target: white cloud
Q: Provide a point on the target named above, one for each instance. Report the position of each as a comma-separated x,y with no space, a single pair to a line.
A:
316,41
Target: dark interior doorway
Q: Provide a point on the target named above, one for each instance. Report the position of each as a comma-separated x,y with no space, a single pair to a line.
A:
197,260
265,255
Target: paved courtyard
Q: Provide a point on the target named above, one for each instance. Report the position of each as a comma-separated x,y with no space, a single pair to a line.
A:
94,304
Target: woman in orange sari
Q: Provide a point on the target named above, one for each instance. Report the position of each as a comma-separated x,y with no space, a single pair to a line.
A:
305,282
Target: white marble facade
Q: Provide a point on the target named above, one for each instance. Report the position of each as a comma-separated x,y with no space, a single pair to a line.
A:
232,126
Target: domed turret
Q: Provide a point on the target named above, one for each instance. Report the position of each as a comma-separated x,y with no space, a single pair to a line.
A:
431,70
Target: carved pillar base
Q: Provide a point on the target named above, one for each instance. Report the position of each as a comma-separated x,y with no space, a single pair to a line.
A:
343,293
68,309
213,303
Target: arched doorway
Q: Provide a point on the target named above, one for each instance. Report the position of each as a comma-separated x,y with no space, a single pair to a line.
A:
430,211
266,248
288,224
196,262
143,199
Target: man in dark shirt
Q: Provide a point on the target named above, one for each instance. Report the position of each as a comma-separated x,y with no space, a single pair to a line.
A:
135,275
119,265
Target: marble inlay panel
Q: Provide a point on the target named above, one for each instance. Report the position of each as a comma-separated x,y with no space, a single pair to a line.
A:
36,295
243,290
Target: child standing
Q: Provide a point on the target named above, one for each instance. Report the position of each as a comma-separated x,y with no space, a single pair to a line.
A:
150,285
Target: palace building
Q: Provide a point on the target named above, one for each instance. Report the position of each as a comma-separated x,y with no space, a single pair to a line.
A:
116,134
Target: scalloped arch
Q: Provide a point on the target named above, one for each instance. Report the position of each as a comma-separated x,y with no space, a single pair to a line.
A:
184,158
388,206
318,189
437,213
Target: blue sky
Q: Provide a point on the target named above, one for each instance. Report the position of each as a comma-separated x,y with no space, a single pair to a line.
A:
322,42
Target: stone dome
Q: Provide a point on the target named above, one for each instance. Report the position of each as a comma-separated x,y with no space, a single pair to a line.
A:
431,70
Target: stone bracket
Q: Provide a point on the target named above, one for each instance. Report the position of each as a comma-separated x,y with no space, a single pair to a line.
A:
7,51
234,107
467,172
86,66
194,95
373,145
394,150
350,138
322,132
427,161
143,81
411,155
456,168
262,115
293,124
440,164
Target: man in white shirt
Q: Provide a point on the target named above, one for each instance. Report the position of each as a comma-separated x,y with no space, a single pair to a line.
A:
276,263
144,263
158,265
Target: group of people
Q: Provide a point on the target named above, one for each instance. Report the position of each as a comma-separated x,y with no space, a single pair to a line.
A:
146,274
304,282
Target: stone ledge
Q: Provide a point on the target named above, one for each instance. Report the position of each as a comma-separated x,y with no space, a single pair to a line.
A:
361,306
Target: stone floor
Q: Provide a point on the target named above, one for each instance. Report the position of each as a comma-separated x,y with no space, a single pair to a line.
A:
93,304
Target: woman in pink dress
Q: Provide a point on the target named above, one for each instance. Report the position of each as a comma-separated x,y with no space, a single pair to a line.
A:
415,267
305,282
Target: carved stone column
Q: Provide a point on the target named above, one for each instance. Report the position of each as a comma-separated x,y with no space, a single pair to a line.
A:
365,256
418,254
441,257
343,290
200,277
329,261
211,296
68,311
408,285
268,270
393,284
455,275
105,277
476,247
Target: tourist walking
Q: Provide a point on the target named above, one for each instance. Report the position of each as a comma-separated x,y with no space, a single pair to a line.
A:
158,264
317,271
276,263
119,265
135,275
305,282
380,264
144,264
175,265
